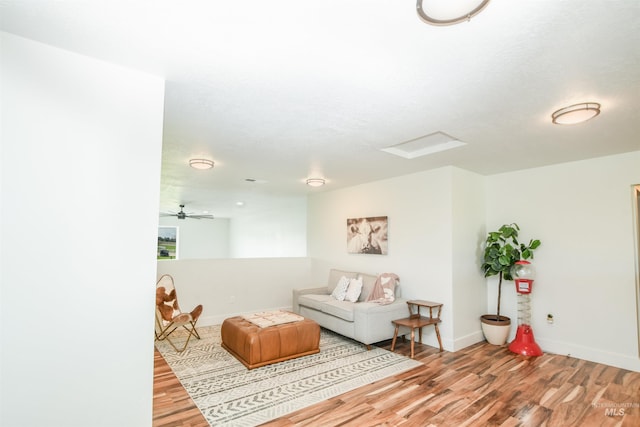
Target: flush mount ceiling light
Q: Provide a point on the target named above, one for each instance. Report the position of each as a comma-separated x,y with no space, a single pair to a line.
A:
201,163
315,182
576,113
447,12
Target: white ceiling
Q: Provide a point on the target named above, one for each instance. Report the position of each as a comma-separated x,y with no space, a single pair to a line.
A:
283,90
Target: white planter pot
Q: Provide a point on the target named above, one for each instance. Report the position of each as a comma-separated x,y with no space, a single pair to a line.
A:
495,331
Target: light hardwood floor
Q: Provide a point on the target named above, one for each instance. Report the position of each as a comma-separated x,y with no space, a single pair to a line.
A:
482,385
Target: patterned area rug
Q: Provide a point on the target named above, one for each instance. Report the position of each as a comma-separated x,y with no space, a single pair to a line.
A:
228,394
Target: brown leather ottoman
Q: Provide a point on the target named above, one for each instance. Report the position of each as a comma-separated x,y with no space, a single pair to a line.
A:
255,346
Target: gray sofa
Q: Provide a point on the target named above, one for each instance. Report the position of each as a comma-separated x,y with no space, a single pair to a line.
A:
366,322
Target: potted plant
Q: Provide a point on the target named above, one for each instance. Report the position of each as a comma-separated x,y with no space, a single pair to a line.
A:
502,250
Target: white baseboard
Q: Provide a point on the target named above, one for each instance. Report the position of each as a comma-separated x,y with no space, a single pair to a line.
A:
618,360
450,345
467,340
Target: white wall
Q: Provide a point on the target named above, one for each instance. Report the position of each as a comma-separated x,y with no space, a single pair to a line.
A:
80,140
469,287
423,248
278,229
230,287
582,213
200,238
274,226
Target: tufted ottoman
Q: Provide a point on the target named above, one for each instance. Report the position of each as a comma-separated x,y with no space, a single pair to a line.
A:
255,346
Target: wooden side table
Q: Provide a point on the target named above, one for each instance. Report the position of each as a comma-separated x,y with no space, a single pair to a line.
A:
418,321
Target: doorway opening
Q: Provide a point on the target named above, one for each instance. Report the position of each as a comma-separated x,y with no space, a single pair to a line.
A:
636,222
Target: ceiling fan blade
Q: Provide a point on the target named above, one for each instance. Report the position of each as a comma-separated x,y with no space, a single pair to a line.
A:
182,214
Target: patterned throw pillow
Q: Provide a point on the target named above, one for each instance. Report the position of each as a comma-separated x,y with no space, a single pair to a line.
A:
341,289
353,292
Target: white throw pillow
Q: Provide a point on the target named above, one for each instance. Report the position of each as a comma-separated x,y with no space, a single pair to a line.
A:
341,289
353,292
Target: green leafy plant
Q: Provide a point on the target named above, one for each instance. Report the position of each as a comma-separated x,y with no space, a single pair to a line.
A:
502,250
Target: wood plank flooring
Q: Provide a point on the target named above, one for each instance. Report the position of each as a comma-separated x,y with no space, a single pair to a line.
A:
482,385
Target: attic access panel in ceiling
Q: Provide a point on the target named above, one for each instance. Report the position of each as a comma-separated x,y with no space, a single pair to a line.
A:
424,145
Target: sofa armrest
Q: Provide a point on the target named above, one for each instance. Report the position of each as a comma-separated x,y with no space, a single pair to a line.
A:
373,322
297,292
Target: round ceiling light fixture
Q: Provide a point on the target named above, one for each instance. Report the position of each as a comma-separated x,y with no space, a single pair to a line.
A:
315,182
201,163
576,113
446,12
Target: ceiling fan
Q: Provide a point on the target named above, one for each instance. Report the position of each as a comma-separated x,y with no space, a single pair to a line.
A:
182,214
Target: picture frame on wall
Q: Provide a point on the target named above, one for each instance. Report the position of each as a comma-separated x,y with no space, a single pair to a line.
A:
167,242
367,235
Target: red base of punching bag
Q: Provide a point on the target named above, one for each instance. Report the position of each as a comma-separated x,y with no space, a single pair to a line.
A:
524,343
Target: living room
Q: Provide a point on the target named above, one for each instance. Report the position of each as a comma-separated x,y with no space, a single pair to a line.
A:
437,222
79,226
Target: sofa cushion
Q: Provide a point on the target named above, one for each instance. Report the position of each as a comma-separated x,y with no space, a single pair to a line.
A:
341,309
335,275
314,301
367,286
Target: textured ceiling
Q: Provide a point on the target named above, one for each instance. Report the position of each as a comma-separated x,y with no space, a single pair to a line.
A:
283,90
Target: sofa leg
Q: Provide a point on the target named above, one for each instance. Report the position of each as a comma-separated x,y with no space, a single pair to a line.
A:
368,347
